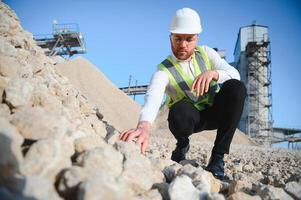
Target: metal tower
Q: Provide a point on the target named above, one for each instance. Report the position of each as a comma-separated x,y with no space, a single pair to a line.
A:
253,60
65,39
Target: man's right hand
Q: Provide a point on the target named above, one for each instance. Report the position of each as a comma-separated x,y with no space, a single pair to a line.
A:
141,133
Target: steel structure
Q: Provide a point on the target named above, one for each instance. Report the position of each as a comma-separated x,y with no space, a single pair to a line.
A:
253,60
65,40
290,135
134,89
259,91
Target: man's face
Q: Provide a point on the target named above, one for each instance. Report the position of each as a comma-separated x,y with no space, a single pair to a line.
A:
183,45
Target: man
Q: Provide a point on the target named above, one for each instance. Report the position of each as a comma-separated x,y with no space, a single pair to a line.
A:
190,76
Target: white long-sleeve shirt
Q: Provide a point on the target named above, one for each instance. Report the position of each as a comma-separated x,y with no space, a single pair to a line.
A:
156,89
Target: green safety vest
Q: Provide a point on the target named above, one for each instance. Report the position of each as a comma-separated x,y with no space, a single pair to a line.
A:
180,83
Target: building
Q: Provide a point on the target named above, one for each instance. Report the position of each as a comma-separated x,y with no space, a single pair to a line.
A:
252,59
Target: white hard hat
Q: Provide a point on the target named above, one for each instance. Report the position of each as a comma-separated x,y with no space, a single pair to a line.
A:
186,21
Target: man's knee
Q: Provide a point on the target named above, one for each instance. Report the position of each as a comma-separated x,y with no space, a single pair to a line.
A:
180,117
235,88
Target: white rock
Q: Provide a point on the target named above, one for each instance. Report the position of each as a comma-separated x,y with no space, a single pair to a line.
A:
137,168
170,172
36,62
294,189
39,188
88,143
46,158
10,149
36,123
102,186
69,181
18,92
26,72
6,48
9,25
9,66
181,188
104,158
42,97
98,126
138,173
203,180
189,170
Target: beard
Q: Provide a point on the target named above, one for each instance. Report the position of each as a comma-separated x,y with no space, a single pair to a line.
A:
182,53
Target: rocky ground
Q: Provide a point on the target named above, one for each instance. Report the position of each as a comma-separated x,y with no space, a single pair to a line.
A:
266,173
55,144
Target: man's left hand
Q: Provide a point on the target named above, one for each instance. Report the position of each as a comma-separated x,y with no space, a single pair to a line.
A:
201,82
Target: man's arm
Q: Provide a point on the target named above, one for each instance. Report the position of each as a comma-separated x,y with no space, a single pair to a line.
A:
221,72
224,70
153,99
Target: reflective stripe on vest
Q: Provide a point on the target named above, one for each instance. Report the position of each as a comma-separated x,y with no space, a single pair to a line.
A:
180,81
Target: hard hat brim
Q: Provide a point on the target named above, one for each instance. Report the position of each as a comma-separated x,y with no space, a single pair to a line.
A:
185,31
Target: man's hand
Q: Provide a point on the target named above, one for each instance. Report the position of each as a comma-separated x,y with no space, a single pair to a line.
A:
141,133
202,81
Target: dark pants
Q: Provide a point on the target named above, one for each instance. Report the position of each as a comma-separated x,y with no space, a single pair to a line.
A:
184,119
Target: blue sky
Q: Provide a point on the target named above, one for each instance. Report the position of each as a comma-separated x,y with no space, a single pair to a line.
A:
126,38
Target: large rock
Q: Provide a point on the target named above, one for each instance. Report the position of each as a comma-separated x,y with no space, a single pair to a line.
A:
6,48
69,181
36,123
158,175
9,21
202,179
101,185
42,97
294,189
39,188
137,169
18,92
9,66
10,149
46,158
181,188
88,143
104,158
98,126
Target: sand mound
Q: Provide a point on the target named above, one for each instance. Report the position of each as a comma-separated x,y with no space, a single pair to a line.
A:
117,108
